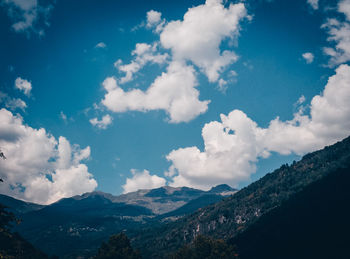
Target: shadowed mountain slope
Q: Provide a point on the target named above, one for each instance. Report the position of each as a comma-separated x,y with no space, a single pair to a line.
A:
236,213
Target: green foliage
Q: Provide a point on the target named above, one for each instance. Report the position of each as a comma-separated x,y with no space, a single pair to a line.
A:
206,248
118,246
6,218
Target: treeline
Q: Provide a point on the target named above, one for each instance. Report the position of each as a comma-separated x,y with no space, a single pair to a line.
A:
118,246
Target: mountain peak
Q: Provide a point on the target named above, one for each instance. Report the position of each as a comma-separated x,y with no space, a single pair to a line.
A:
222,188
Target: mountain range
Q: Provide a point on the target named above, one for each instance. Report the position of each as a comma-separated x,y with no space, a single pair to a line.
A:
76,226
233,215
299,210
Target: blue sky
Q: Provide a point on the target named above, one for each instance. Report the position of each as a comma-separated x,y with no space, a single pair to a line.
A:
210,117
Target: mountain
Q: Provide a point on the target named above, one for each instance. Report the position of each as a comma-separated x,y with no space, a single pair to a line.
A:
165,199
18,206
222,189
12,245
191,206
76,226
235,214
314,223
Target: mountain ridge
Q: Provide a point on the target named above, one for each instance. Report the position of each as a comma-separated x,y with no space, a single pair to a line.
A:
231,216
84,221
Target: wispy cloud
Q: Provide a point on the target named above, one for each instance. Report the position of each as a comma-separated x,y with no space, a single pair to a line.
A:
28,15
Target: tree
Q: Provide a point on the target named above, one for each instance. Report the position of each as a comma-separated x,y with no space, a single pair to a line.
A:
206,248
118,246
3,157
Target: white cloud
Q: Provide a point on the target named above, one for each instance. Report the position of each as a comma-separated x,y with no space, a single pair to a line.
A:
101,45
15,103
198,36
26,15
63,116
313,4
144,53
233,145
12,103
309,57
174,91
23,85
153,18
103,123
344,7
142,180
39,168
300,101
222,85
339,32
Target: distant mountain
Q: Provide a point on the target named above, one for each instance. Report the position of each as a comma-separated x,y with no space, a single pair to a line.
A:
233,215
18,206
222,189
166,198
77,226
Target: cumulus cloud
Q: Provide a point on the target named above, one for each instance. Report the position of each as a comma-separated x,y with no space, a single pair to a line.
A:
198,36
12,103
344,7
142,180
194,42
39,168
154,20
313,4
101,45
28,15
174,91
23,85
143,53
15,103
309,57
103,123
339,32
233,145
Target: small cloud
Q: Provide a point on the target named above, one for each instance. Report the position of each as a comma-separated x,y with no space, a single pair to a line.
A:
313,4
142,180
309,57
248,65
101,45
63,116
28,15
12,103
103,123
222,86
301,100
23,85
16,103
154,20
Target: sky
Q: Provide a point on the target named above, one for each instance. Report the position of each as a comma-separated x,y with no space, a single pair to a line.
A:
118,96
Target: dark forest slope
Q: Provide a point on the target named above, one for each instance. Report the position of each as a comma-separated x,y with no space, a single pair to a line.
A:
235,214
